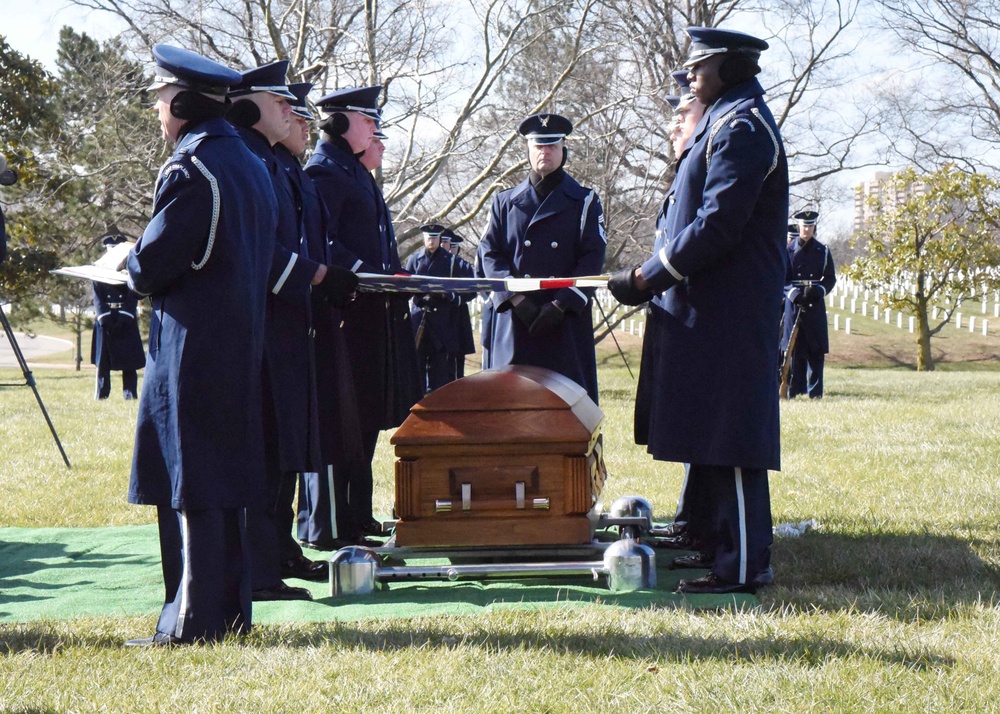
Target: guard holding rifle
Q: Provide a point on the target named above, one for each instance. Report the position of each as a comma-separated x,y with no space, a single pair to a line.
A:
811,277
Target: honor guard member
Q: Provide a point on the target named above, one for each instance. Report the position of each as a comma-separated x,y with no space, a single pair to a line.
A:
376,325
461,268
261,113
434,316
547,226
321,497
116,343
688,111
715,279
793,233
812,276
204,261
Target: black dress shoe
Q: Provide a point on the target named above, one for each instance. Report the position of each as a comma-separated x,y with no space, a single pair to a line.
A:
305,569
670,530
280,592
712,584
677,542
321,545
698,560
371,528
159,639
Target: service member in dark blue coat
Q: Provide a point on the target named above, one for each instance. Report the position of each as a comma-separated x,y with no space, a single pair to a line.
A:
322,506
377,326
811,276
291,419
435,316
116,344
460,268
716,279
203,259
547,226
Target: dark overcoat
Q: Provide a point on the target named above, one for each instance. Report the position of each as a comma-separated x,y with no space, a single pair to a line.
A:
204,260
719,269
809,262
461,268
560,236
289,374
377,326
116,328
340,437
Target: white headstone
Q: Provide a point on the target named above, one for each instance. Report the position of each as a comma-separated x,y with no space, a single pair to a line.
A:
958,320
972,323
899,320
911,322
836,322
847,326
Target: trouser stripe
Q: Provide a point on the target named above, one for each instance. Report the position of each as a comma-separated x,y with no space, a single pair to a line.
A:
333,500
185,576
742,515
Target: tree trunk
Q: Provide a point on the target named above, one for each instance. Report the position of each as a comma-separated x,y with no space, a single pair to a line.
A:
925,362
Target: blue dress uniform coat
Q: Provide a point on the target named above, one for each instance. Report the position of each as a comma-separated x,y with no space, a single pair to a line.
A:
560,236
322,504
719,267
377,326
290,386
812,262
116,328
204,260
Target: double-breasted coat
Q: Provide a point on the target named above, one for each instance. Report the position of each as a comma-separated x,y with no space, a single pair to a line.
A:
116,328
718,271
561,235
377,326
811,262
204,260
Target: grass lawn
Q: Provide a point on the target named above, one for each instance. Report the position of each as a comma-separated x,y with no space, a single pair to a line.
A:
889,605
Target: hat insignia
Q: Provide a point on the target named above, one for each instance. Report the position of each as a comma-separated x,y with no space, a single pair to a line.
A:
544,121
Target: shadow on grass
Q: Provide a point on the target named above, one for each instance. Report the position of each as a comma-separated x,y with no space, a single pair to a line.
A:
397,635
908,577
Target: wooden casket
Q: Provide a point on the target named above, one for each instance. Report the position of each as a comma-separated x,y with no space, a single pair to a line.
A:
510,456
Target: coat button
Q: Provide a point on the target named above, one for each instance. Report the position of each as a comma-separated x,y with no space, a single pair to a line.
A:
527,244
554,244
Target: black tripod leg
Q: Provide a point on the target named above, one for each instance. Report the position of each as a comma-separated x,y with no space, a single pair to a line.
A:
29,380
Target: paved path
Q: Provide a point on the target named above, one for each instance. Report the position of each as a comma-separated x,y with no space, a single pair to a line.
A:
31,347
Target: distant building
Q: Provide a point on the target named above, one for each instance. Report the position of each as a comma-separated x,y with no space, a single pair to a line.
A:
879,187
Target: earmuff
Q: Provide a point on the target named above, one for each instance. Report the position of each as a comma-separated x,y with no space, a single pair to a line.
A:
336,124
244,113
737,68
193,106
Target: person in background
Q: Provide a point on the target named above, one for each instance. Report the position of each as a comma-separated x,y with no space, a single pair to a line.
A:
547,226
811,276
116,344
460,268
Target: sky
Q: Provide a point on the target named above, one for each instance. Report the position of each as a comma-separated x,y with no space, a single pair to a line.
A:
32,26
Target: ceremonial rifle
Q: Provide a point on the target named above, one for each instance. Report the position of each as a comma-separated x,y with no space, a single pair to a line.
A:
786,367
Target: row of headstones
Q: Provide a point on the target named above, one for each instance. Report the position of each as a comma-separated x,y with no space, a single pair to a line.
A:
971,322
847,287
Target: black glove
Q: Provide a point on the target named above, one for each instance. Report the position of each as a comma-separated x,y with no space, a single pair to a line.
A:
526,311
549,318
813,294
338,286
622,286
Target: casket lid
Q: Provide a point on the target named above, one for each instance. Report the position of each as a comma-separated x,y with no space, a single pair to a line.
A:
463,408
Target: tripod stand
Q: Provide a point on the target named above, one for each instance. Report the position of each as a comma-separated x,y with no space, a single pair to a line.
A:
29,380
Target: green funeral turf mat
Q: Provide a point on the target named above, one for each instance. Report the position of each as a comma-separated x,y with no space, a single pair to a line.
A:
62,573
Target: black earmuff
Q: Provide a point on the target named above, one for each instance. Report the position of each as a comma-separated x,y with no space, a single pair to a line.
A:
193,106
336,124
244,113
737,68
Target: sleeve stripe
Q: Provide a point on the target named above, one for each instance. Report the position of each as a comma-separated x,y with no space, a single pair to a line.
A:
284,276
580,293
586,209
216,207
358,264
662,255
